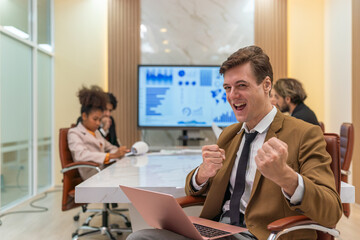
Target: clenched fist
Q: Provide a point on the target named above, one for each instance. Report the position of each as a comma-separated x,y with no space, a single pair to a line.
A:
271,162
213,158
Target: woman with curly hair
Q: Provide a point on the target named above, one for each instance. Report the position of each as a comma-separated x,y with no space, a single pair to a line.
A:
85,141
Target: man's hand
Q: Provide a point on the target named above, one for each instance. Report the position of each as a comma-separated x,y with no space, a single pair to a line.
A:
213,158
271,162
106,123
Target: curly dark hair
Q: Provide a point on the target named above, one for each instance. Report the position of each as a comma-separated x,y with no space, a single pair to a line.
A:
112,100
93,98
258,59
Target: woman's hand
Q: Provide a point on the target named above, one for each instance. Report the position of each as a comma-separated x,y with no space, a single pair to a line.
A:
119,153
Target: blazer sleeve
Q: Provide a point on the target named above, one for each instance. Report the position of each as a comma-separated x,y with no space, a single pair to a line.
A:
320,202
109,147
189,190
80,152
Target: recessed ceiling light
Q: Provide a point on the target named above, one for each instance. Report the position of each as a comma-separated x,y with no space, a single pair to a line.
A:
165,42
163,30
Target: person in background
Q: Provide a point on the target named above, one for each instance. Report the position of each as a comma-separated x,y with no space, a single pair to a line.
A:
107,127
273,98
265,167
290,97
85,141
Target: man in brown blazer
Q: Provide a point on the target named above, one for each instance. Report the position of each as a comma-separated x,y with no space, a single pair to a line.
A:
287,168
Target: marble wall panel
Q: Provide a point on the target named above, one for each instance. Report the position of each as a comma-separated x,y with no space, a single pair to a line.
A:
192,32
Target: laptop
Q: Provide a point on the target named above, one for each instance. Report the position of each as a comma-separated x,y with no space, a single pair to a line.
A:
162,211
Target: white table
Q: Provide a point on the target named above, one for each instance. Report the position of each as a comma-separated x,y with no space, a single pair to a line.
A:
162,173
347,193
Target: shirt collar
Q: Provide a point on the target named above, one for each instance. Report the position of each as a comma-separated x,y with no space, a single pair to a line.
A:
85,130
263,125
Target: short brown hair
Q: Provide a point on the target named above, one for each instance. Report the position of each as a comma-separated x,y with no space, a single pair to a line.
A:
259,61
290,87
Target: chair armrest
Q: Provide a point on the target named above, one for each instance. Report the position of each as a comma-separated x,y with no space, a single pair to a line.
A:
75,165
189,201
287,222
346,173
293,223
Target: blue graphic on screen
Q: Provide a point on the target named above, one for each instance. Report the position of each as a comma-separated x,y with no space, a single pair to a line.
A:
186,111
224,97
226,117
161,77
153,99
205,77
181,73
182,96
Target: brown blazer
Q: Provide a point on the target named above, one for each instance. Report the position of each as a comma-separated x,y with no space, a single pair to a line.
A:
86,147
307,156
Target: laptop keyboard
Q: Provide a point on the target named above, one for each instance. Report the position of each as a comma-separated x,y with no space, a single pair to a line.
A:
208,231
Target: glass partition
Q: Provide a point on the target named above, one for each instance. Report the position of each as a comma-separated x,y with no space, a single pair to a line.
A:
44,24
26,82
44,99
16,119
15,17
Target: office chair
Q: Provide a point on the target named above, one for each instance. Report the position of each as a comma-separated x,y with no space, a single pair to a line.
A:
346,150
293,223
71,178
322,126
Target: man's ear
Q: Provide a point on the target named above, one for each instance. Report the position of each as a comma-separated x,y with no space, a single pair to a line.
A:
287,99
267,84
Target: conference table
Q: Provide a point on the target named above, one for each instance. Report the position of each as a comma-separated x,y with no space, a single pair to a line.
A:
163,171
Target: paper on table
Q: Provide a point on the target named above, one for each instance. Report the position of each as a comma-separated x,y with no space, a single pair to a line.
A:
217,131
138,148
177,152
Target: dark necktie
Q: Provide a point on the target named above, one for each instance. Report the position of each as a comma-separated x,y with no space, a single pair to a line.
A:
240,180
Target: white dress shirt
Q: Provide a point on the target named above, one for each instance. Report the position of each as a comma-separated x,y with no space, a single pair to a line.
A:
262,128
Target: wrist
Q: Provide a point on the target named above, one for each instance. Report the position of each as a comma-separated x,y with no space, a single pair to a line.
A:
289,181
107,158
199,178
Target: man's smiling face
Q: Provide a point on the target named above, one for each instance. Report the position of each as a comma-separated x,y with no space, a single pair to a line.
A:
249,101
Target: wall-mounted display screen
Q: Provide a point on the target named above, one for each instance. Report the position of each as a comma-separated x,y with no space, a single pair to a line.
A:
182,96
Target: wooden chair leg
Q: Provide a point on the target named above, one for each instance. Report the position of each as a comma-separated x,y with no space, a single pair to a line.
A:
346,209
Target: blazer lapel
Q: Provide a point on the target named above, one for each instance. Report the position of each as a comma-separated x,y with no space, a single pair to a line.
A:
226,170
275,126
222,178
95,141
